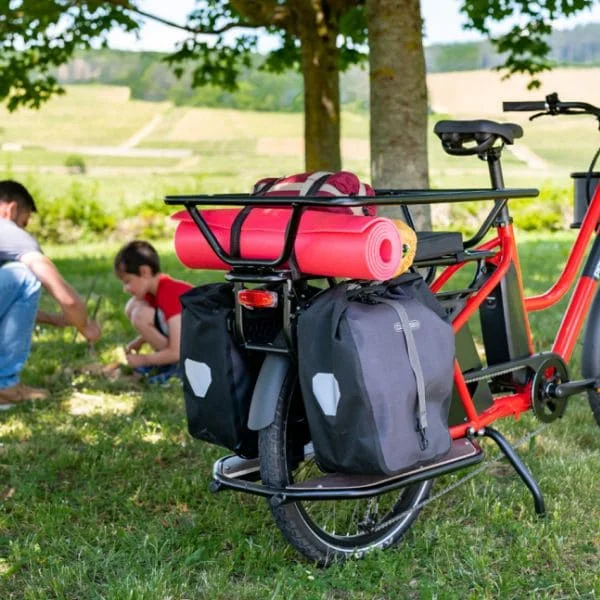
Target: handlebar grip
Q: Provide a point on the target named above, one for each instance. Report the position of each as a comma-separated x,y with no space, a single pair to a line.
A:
524,106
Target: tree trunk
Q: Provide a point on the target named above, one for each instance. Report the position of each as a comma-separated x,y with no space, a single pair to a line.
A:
316,24
320,68
398,99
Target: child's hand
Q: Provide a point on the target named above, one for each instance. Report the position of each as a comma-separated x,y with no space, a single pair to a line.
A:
134,345
136,360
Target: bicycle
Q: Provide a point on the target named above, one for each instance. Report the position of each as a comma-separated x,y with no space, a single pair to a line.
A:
332,516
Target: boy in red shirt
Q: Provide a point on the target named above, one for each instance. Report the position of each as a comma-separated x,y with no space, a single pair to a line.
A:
154,310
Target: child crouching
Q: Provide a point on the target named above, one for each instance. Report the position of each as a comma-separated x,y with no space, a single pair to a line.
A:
154,311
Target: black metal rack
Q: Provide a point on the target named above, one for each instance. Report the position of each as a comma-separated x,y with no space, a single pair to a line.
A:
403,198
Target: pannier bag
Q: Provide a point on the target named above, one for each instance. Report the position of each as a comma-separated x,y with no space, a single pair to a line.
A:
376,366
218,375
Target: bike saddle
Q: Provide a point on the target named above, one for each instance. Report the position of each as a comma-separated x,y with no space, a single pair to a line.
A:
457,136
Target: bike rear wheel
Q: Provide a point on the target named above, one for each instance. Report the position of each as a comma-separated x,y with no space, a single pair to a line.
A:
326,531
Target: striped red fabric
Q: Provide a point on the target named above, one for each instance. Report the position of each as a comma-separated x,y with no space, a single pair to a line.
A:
341,183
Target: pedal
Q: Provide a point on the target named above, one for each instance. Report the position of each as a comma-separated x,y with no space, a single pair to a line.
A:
564,390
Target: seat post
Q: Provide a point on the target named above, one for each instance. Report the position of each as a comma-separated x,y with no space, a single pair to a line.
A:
493,156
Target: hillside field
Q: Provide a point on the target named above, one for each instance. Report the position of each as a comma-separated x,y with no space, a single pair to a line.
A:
139,151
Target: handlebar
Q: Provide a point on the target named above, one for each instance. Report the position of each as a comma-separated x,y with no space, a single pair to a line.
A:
523,106
552,106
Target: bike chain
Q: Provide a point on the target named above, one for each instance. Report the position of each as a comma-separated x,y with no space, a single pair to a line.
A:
483,377
462,480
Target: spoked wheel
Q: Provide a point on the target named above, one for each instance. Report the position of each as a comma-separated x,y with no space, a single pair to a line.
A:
326,531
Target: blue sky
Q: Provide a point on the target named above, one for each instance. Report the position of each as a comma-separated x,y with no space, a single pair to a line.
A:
443,23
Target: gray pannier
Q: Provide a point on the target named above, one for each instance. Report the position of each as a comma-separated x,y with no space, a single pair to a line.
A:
376,365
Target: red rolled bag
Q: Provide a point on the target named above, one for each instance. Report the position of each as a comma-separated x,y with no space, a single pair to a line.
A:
329,244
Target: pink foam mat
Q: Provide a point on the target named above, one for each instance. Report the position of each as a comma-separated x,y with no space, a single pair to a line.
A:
328,244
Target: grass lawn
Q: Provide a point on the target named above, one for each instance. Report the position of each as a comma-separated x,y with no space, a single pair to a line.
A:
103,494
87,115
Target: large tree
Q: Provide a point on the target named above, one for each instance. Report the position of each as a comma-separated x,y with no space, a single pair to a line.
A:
398,91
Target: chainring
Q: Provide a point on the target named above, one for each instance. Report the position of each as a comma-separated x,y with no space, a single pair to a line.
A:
546,407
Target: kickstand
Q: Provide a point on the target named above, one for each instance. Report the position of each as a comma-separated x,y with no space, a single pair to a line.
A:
519,467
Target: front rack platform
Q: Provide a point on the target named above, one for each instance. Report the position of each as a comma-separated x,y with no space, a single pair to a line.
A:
233,472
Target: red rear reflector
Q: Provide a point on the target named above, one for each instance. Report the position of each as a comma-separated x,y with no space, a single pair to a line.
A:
257,298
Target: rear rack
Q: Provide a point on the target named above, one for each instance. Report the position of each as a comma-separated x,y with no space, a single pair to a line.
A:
297,205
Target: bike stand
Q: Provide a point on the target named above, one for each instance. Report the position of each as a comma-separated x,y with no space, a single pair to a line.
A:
519,467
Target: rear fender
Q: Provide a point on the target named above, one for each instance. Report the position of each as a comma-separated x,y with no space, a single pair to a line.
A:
267,389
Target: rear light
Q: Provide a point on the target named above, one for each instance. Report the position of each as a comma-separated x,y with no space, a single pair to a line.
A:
257,298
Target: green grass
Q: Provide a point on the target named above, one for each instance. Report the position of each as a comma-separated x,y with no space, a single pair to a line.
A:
33,157
104,495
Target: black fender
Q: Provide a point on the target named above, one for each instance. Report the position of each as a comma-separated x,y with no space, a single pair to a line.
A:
266,391
590,361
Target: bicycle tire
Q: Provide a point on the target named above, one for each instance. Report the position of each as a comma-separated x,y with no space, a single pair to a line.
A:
590,357
306,525
594,400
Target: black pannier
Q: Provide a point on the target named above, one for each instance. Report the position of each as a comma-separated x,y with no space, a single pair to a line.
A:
219,375
376,364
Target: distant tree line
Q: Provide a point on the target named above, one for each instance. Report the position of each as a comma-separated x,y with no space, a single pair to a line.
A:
150,78
577,46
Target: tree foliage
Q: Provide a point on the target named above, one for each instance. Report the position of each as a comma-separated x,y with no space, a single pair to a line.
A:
525,45
319,38
36,37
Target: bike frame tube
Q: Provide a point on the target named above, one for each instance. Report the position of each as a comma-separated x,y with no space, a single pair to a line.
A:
568,331
560,288
505,257
572,322
447,273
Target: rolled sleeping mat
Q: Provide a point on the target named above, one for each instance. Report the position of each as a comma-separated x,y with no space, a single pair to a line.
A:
327,244
409,245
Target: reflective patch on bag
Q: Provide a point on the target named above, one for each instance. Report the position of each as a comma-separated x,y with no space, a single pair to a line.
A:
414,324
199,376
327,392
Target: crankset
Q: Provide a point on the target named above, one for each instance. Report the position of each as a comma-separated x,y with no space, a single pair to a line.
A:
551,373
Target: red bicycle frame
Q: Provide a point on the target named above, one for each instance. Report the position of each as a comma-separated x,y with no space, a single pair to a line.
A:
506,253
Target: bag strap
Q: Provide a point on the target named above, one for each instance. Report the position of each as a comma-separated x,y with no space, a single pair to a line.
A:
236,226
236,230
314,187
415,363
316,184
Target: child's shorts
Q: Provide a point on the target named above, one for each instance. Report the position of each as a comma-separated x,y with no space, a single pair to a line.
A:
158,373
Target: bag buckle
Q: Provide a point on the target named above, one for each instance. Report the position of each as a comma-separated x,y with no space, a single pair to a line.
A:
423,441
